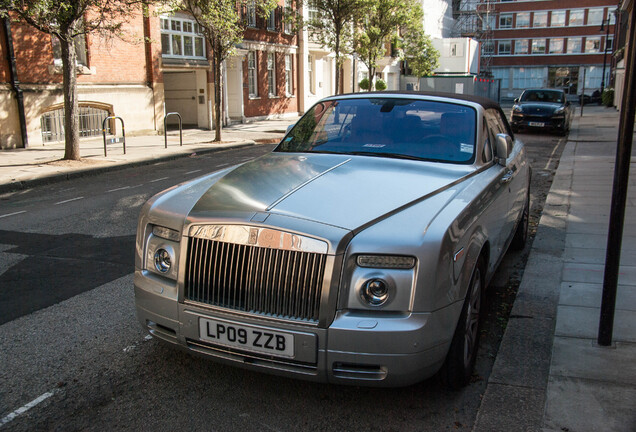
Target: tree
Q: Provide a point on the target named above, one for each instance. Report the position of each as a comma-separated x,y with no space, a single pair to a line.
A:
417,49
68,20
399,22
332,27
222,24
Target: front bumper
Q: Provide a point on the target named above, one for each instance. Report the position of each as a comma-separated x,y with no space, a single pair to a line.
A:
357,348
551,123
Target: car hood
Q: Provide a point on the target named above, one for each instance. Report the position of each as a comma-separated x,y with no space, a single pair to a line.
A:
338,190
540,108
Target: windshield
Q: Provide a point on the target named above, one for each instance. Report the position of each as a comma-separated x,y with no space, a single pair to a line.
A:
386,127
542,96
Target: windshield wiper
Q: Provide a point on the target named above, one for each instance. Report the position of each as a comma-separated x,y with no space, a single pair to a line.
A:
387,154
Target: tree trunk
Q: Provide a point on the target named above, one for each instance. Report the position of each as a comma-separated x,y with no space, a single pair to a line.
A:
71,108
217,94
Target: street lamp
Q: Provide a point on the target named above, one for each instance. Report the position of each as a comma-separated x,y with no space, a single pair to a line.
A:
604,51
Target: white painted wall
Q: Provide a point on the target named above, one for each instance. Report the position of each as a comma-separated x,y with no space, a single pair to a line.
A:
438,18
457,56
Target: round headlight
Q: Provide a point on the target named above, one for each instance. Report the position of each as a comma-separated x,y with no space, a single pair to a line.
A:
162,261
375,292
517,108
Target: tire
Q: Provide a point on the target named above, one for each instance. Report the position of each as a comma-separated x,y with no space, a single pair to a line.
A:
460,360
521,234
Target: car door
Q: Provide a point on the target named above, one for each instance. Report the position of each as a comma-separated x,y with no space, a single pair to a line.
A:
499,195
514,177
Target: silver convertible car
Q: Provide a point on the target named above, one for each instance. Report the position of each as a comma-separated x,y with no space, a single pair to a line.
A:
357,252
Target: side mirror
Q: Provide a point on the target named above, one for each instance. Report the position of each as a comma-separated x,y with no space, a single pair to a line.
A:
516,100
503,147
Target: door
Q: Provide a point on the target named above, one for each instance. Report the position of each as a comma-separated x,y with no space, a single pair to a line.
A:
180,90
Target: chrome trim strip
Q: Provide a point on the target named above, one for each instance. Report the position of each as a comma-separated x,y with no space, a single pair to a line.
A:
262,237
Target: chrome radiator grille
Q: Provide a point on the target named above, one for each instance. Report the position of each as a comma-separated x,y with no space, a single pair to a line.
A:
273,282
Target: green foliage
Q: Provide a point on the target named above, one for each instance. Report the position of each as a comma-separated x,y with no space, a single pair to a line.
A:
608,97
380,85
332,27
364,84
399,22
67,19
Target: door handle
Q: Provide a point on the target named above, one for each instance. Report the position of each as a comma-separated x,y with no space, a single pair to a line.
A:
507,178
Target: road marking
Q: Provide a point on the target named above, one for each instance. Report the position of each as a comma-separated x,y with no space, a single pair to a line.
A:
12,214
159,179
118,189
11,416
547,164
222,166
192,172
69,200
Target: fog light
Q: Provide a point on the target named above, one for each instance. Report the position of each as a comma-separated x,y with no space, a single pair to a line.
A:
162,261
375,292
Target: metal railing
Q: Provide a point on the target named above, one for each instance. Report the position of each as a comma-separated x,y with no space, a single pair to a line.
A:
90,123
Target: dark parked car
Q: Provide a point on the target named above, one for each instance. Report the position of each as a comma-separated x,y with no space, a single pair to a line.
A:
546,109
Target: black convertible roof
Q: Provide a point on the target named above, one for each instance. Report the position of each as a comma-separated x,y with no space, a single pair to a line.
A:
484,102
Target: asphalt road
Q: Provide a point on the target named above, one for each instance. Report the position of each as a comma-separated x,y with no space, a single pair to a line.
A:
73,356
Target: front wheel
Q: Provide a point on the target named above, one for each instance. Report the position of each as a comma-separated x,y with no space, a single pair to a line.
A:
462,354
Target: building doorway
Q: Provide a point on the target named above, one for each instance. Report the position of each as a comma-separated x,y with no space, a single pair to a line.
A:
565,78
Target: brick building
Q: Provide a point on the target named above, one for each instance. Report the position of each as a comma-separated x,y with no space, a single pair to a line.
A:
160,66
548,43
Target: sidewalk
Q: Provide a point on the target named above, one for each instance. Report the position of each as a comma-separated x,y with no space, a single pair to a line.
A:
550,374
40,164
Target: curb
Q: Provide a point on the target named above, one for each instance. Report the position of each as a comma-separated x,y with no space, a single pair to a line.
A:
86,172
516,393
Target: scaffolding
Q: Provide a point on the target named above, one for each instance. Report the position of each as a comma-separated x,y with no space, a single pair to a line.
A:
476,19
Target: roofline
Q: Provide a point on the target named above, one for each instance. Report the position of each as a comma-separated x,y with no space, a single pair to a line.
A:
484,102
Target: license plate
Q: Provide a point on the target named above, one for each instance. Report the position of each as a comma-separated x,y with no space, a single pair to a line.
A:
536,124
246,337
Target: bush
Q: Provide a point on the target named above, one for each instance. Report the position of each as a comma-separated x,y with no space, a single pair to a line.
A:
364,84
608,97
380,85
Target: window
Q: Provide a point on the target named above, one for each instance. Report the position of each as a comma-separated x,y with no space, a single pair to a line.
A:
538,46
488,48
289,85
271,20
593,76
312,11
556,46
557,19
576,17
540,19
521,46
489,23
595,16
271,73
505,21
524,77
503,75
609,44
593,44
287,27
252,74
523,19
505,47
310,74
81,56
251,14
574,45
181,37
